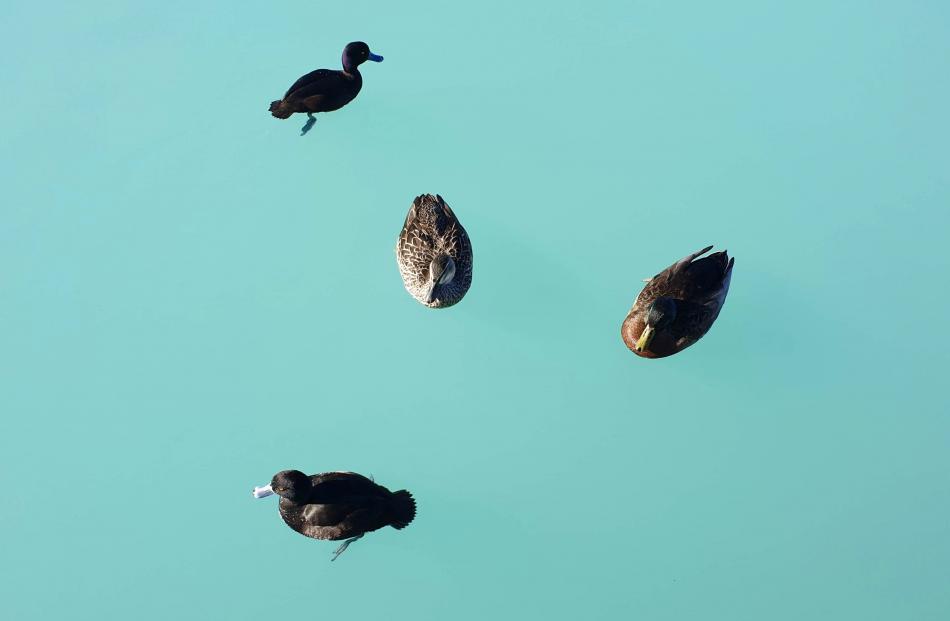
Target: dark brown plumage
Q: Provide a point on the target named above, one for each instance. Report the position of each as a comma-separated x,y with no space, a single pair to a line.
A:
339,505
325,90
678,305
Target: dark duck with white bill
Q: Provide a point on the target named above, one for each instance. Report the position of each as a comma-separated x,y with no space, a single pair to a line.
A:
337,505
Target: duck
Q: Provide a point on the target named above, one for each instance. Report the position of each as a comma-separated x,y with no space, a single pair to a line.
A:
679,305
434,253
325,90
337,505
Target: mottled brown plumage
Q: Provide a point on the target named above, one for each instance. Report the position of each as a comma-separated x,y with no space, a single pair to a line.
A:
683,301
434,253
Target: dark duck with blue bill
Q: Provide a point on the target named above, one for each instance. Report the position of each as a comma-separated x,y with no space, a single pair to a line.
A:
678,305
337,505
325,90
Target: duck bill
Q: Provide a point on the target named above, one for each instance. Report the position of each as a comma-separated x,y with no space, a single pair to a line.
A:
646,337
262,492
430,294
376,58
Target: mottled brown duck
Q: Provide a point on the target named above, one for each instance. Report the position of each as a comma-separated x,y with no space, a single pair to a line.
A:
434,253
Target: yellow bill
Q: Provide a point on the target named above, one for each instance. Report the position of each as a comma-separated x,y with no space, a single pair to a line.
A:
646,337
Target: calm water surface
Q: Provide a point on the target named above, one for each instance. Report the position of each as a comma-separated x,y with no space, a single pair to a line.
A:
192,297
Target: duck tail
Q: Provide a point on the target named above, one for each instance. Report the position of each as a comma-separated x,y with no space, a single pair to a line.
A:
279,110
403,509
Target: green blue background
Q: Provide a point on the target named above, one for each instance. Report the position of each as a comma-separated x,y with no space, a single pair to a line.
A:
193,297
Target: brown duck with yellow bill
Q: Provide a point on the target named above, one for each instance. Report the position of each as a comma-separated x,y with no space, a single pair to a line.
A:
678,305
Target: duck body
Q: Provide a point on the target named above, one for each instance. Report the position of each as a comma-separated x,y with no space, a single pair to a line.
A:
323,90
434,253
326,90
678,305
343,505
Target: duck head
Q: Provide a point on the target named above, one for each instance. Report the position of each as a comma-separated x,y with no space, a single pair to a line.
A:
441,272
357,53
660,315
293,485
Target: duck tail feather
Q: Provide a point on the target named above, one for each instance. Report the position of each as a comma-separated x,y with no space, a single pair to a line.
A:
403,508
702,252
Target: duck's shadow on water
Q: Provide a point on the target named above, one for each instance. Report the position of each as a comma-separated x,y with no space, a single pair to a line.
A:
534,288
519,287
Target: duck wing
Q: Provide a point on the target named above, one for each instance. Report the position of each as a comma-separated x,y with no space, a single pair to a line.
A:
692,322
449,237
414,247
691,279
342,483
702,293
665,283
456,242
706,279
317,82
343,504
432,228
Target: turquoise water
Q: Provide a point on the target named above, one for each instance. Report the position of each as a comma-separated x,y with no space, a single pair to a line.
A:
193,297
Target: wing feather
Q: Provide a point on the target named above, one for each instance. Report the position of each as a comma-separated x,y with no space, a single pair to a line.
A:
319,82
